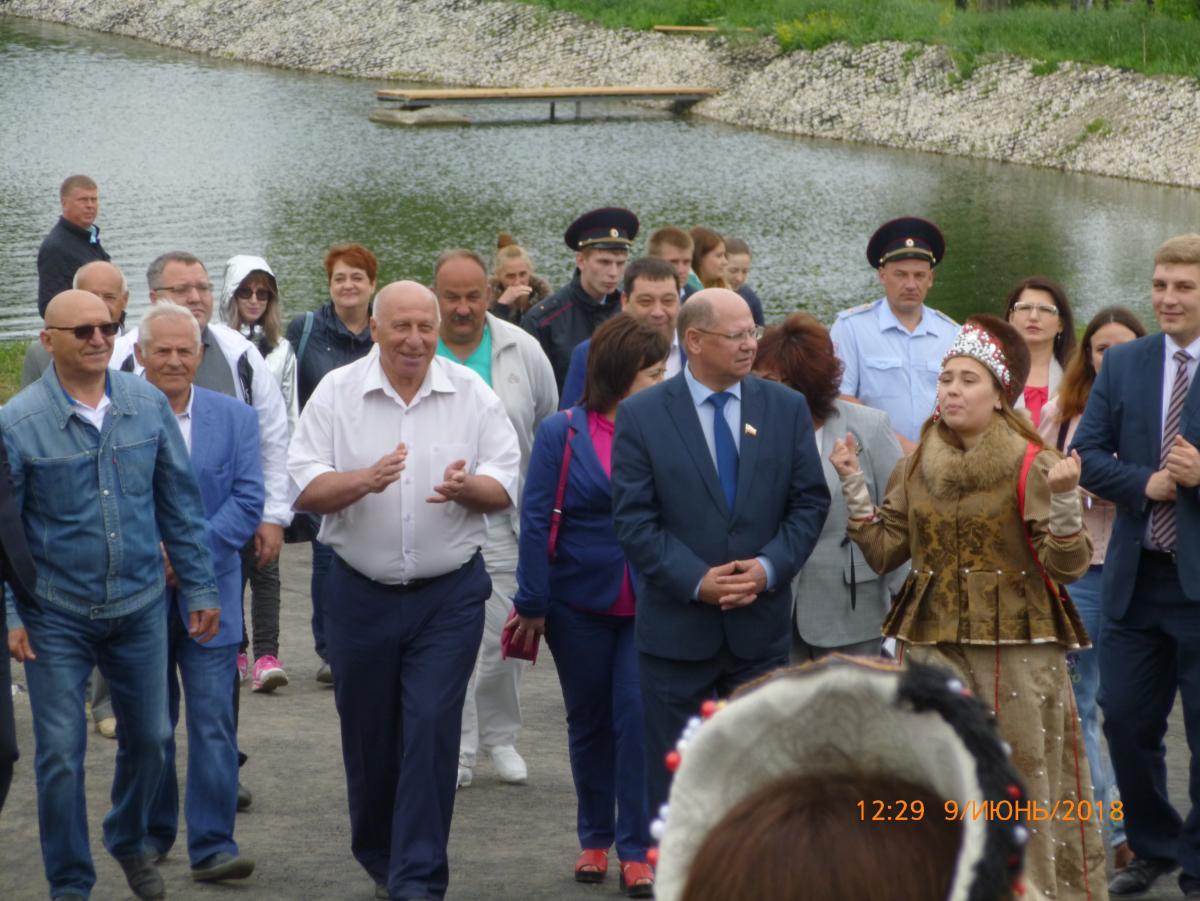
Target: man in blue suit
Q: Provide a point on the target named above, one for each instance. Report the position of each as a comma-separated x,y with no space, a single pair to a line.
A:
222,437
650,293
718,499
1138,441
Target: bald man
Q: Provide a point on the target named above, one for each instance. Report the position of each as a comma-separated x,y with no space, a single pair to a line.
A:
104,280
100,476
410,451
718,499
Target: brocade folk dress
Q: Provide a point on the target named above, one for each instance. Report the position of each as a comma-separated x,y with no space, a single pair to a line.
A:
976,602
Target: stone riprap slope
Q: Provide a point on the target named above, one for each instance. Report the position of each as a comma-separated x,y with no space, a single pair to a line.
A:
1078,118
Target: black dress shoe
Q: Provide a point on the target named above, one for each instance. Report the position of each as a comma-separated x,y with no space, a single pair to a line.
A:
245,798
143,877
222,865
1139,876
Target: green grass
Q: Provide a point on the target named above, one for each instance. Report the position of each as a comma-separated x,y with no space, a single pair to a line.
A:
1165,40
12,355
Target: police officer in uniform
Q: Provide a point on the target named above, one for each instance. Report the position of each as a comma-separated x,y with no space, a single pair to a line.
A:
601,240
892,348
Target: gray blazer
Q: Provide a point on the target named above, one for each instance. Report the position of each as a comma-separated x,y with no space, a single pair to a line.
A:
821,590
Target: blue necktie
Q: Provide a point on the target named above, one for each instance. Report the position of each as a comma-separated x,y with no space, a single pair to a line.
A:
727,455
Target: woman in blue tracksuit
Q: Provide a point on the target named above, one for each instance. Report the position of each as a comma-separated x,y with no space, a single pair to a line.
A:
576,587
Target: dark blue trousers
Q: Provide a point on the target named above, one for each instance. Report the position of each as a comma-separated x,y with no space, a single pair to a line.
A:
597,668
1145,658
401,659
673,690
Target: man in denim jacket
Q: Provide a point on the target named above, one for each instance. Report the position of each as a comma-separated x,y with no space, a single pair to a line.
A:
101,476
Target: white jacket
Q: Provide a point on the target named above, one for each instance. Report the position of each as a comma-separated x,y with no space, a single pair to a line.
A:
267,400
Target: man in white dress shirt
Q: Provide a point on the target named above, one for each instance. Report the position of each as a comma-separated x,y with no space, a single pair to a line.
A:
403,453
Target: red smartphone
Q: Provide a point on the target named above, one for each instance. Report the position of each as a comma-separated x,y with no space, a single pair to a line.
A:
508,649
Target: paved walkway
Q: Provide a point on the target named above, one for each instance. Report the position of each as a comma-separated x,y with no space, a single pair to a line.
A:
508,842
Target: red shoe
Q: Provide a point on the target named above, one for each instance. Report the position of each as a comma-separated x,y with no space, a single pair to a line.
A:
591,865
637,879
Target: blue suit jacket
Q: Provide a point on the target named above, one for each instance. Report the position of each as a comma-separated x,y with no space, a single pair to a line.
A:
228,465
573,385
589,565
672,518
1124,417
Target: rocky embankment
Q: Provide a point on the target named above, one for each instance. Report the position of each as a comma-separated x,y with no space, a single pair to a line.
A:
1077,118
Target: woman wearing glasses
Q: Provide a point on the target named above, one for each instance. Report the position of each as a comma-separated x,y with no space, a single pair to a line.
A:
1038,309
250,304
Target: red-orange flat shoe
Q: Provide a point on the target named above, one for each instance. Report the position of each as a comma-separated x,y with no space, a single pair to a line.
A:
591,865
637,879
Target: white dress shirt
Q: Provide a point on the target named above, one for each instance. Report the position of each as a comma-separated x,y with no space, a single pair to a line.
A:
1171,368
185,420
355,417
674,359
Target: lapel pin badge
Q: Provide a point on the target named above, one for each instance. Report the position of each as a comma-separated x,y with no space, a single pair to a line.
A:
751,430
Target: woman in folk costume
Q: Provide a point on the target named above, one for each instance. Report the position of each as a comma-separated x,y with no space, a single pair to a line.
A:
992,523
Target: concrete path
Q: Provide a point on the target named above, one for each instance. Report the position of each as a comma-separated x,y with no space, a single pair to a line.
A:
508,842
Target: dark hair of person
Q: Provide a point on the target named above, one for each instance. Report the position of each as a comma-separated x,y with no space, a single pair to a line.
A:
620,349
1064,341
1080,374
800,353
704,242
805,837
353,255
652,269
736,246
271,319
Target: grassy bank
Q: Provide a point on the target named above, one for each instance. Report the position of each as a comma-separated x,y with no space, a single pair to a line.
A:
12,355
1164,41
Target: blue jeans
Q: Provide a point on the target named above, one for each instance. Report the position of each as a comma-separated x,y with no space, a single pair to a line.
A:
322,556
598,669
1084,667
131,652
212,761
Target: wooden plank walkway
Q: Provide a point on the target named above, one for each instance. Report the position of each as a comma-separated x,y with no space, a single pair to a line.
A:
680,97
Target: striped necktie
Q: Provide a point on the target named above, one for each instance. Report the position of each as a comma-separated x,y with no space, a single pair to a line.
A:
1162,517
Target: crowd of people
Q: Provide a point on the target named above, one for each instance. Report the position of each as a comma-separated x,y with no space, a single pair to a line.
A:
681,499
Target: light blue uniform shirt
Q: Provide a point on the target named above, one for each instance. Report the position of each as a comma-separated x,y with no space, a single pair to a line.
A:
733,415
889,368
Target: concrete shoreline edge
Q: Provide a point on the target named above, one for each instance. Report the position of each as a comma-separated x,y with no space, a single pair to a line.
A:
1086,119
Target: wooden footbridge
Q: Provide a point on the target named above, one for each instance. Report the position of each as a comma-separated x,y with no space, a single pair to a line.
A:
679,97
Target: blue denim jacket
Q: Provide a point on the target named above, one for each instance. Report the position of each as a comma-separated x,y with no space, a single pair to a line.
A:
96,504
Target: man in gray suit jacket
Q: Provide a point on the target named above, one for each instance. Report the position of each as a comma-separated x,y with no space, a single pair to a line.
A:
718,499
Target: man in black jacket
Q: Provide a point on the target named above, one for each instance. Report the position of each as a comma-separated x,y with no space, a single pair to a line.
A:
601,240
74,240
17,569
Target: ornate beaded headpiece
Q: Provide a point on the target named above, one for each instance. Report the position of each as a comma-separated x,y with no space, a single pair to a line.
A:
980,344
919,724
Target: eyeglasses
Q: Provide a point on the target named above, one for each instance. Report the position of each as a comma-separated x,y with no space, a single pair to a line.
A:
1046,309
202,288
266,295
85,332
750,334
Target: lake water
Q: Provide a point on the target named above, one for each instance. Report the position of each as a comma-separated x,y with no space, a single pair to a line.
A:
221,158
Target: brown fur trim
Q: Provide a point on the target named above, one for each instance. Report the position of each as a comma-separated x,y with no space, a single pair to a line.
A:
951,472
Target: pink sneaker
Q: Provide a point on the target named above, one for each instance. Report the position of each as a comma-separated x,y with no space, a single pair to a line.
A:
243,665
268,674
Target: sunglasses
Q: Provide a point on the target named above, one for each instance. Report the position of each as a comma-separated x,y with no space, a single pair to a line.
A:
85,332
266,295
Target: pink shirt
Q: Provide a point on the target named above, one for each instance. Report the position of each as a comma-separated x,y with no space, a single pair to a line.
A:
601,431
1035,399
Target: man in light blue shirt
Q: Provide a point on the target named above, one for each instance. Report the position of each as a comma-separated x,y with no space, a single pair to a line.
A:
101,476
892,348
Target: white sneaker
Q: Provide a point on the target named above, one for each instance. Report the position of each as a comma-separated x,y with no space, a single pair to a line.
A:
509,765
465,776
